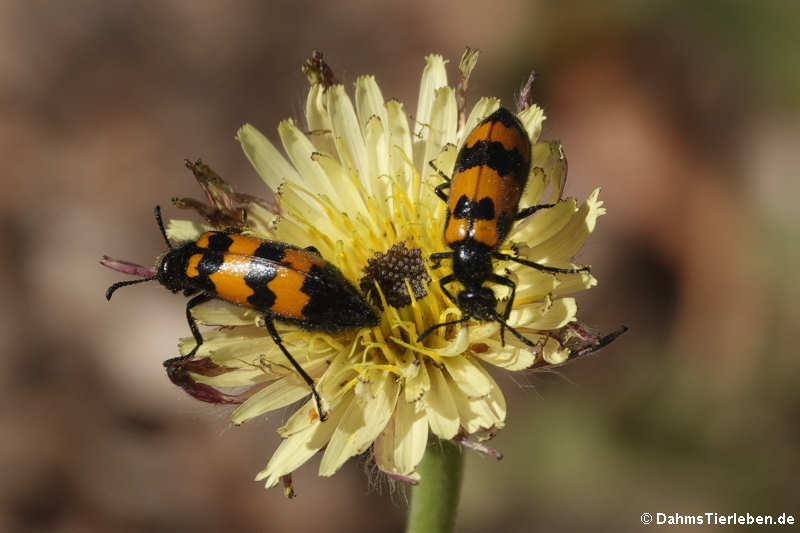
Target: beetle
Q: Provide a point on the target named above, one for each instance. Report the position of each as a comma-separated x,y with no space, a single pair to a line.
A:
489,176
281,281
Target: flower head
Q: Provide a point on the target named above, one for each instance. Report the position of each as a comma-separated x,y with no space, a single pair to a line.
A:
357,183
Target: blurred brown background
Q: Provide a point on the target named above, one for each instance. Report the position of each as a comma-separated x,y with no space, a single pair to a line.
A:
685,113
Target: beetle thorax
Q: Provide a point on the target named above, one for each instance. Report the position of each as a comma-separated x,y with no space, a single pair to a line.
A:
472,264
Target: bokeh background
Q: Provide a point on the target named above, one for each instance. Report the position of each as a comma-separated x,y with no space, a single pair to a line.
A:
686,113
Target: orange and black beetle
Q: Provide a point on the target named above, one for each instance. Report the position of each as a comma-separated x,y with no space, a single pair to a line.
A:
281,281
490,174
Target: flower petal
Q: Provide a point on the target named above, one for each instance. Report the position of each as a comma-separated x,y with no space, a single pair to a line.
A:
299,447
184,230
319,121
265,158
548,168
559,249
350,198
418,384
468,376
485,412
544,224
434,76
400,147
220,313
546,315
532,118
554,353
363,421
279,394
442,126
369,101
300,151
440,406
378,159
347,133
401,445
513,356
482,109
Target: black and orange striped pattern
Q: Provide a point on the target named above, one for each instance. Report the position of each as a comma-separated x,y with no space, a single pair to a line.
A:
291,284
489,177
490,174
281,281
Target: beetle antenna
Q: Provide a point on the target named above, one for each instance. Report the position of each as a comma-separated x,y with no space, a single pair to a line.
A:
160,222
119,284
440,325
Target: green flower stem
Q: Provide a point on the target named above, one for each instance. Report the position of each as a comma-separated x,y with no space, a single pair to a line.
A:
435,499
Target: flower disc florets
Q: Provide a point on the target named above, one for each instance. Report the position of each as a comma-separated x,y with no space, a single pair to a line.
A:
394,272
357,183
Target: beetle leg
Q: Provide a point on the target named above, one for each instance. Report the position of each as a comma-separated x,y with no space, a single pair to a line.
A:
528,211
500,280
310,382
442,282
437,258
197,300
439,190
506,257
516,333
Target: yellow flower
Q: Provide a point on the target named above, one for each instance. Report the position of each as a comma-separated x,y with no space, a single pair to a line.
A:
355,183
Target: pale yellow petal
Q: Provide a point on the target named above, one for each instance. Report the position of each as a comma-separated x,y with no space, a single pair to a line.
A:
418,384
574,283
401,445
468,376
434,76
400,147
442,126
378,159
319,121
485,412
440,406
261,221
350,199
369,101
265,158
532,118
513,356
279,394
554,353
544,224
300,151
179,231
221,313
562,246
547,175
299,447
363,421
347,133
482,109
545,315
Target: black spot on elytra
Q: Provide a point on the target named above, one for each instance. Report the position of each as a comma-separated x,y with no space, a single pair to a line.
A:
273,251
210,263
259,274
219,242
481,210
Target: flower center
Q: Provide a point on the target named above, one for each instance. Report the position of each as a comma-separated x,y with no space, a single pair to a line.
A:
390,271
